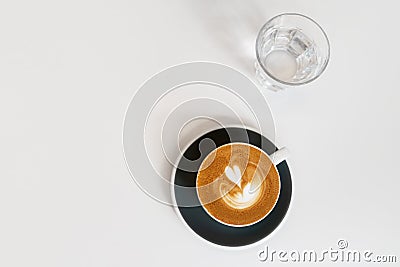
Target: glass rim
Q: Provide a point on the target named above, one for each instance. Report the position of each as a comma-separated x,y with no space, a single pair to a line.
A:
323,33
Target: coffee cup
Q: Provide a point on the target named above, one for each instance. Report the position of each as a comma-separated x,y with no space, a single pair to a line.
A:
238,184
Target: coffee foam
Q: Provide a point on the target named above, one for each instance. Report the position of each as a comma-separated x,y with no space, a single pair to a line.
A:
239,186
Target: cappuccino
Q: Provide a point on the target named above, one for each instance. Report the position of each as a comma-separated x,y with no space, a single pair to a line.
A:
238,184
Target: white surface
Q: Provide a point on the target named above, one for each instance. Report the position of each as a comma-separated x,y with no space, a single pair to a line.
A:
68,71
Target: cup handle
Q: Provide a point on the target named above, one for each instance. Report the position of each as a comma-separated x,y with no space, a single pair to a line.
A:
279,155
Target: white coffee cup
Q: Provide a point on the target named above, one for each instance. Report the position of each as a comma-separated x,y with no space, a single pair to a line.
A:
274,159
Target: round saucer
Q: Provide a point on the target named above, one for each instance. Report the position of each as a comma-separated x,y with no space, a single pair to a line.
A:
196,217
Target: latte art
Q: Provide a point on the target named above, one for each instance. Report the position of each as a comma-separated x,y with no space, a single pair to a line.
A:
237,184
243,194
240,199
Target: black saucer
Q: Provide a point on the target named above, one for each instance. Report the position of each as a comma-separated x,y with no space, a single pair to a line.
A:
205,226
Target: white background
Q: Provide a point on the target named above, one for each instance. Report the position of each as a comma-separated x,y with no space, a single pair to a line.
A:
69,69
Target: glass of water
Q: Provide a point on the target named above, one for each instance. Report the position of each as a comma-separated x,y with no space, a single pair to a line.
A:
291,49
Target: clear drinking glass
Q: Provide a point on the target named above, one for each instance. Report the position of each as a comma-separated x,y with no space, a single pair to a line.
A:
291,49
